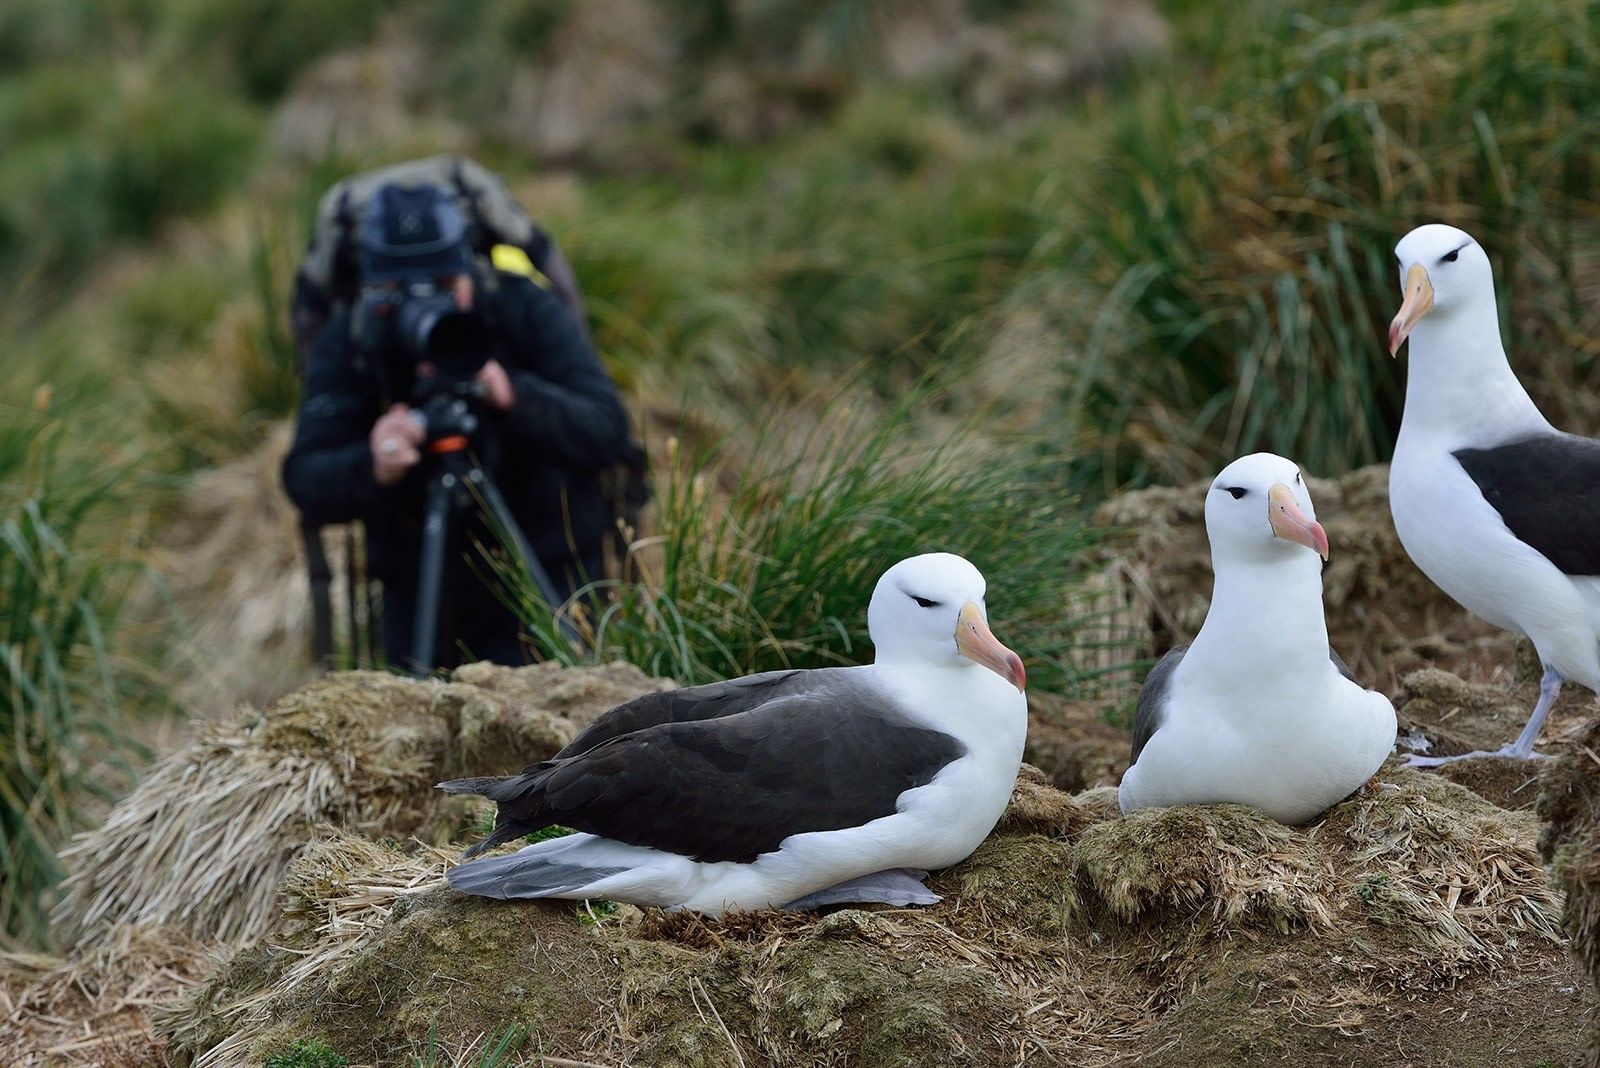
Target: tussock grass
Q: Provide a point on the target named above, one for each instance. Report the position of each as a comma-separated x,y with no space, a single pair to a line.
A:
774,567
1247,225
60,683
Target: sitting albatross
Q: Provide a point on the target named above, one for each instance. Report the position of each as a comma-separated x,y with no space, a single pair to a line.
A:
1258,710
1496,506
788,788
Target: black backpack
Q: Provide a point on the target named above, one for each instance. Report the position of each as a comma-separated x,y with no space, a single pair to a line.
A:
501,232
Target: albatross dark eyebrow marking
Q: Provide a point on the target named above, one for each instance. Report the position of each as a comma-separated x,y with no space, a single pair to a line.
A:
923,602
1454,254
1237,491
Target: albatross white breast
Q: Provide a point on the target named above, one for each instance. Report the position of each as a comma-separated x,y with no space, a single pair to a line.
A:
1496,506
788,788
1258,710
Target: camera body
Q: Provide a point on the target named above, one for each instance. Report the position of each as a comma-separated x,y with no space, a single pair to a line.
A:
447,410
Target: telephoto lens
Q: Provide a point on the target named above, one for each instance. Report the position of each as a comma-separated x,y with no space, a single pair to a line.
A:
435,329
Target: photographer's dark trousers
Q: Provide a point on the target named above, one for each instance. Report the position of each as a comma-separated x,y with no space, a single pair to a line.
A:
474,622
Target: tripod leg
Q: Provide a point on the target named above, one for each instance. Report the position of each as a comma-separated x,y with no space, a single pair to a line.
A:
430,574
484,486
321,575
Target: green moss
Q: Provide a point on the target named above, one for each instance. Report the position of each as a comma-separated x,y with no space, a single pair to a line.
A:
940,1017
1027,880
307,1055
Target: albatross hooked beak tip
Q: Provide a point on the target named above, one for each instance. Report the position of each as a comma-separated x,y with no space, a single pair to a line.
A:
976,642
1291,524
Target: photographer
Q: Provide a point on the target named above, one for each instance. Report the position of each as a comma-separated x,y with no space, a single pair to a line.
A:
498,361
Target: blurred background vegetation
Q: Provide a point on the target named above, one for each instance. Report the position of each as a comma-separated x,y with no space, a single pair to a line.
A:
876,276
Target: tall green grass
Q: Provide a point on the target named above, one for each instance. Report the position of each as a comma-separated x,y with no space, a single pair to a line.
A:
60,702
1246,226
771,564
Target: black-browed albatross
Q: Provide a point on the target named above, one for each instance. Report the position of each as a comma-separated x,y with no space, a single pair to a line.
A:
1258,710
1499,508
787,788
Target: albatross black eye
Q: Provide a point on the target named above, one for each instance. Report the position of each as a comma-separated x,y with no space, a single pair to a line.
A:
923,602
1237,491
1451,257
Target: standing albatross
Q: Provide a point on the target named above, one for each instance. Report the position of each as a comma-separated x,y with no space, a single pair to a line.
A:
1496,506
789,788
1258,710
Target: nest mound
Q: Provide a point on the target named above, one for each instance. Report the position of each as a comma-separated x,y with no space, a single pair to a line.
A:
205,841
1199,934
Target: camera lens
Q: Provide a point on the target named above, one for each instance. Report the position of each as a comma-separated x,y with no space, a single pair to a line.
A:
436,330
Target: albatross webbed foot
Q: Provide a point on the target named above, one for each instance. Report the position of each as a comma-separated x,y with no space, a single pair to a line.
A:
894,886
1417,760
1522,748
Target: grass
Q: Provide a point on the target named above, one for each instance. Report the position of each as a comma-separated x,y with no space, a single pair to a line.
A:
1245,242
500,1050
773,568
307,1055
874,240
60,706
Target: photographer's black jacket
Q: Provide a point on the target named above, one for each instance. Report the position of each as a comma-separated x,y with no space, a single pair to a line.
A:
546,453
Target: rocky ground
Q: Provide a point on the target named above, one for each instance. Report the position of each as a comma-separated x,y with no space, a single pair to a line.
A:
279,881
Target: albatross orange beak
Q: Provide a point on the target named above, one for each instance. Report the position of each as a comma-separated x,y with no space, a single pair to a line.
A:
1418,291
1290,523
975,641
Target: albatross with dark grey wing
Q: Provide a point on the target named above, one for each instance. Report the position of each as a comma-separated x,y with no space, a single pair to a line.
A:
1499,508
788,788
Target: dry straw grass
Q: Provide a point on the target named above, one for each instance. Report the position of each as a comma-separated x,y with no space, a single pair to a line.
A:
1569,802
339,892
94,1012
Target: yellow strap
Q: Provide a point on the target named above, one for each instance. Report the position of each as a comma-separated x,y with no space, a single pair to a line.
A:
513,259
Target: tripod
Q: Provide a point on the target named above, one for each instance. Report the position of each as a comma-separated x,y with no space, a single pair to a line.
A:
456,484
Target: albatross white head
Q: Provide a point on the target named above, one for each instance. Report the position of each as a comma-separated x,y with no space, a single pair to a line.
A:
1460,388
1444,274
1259,510
929,609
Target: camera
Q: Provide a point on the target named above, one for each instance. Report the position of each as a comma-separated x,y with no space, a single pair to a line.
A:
447,411
423,319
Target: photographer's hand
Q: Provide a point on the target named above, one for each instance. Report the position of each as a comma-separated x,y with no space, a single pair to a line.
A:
497,389
394,440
